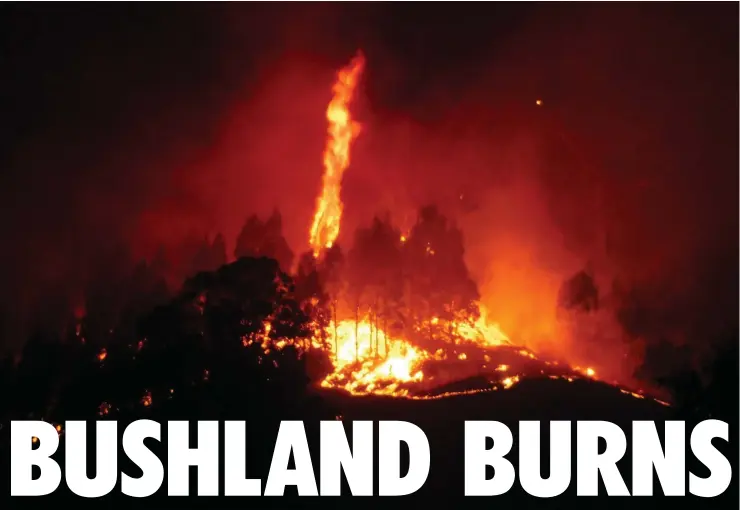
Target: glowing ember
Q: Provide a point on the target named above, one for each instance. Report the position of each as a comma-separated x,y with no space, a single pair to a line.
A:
342,130
510,381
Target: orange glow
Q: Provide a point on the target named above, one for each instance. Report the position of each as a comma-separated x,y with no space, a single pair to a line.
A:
369,361
523,296
342,130
438,351
104,408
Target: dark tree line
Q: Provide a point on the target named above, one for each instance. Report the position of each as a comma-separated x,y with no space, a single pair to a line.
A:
702,384
134,343
134,346
138,347
209,349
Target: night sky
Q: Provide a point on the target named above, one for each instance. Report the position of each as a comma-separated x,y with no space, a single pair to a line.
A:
134,124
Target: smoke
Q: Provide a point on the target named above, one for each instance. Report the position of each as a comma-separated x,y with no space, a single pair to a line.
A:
627,167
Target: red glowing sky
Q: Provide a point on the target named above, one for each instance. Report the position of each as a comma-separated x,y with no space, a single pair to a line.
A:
629,166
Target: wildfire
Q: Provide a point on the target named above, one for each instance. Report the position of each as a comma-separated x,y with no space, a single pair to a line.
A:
368,360
342,130
362,364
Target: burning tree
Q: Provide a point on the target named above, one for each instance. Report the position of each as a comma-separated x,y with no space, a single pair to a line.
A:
311,296
249,297
375,275
232,327
440,292
332,269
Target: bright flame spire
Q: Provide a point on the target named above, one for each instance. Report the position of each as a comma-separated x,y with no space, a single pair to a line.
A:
342,130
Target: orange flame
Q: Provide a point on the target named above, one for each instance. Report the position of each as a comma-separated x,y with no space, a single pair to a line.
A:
383,366
342,130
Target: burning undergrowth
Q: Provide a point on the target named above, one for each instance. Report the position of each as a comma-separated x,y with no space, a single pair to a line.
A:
469,365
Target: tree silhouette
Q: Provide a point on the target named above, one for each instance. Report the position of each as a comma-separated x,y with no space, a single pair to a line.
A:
376,276
264,239
579,293
310,294
332,270
218,251
439,285
210,255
